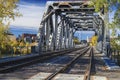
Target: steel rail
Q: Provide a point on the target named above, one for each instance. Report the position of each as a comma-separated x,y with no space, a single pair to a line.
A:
51,76
91,65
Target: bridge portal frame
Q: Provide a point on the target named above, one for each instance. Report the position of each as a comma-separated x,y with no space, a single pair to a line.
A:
62,19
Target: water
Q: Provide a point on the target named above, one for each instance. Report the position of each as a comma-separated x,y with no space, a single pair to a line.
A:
20,30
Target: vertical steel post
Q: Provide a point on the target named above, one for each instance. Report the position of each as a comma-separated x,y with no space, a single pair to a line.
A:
64,32
61,34
56,31
51,33
69,35
47,34
70,38
41,37
66,35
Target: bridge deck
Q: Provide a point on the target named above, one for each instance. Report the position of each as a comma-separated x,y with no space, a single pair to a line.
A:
65,77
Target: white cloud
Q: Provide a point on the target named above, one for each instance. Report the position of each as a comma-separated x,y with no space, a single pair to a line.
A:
32,15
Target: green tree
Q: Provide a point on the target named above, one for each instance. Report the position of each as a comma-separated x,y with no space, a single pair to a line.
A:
3,32
8,11
105,7
14,45
27,46
76,40
4,40
116,21
99,4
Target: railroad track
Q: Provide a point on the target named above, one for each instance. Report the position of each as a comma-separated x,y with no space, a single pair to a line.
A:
63,69
12,65
91,67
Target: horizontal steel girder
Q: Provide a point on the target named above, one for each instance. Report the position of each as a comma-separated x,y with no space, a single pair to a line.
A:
83,21
91,10
82,18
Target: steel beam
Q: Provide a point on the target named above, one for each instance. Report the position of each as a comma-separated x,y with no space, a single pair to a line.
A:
48,15
82,18
80,13
55,34
56,30
76,10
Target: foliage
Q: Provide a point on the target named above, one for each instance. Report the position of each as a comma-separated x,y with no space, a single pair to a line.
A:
117,18
94,40
76,40
8,11
3,32
4,40
99,4
22,44
114,43
106,6
116,23
20,47
112,27
14,43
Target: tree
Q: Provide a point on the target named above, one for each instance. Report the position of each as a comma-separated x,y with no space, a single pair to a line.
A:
76,40
3,32
4,40
116,21
8,11
99,5
105,7
115,43
94,40
14,45
27,46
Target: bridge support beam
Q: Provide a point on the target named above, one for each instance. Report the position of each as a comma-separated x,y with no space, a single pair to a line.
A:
55,32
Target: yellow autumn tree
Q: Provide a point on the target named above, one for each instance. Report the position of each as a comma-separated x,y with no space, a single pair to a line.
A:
94,40
8,11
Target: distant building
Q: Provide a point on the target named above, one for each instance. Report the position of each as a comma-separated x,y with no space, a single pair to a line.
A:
11,37
29,37
89,40
19,38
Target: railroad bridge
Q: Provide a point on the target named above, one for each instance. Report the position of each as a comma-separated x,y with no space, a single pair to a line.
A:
63,18
62,60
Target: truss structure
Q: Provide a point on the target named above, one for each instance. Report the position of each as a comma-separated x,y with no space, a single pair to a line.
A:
60,21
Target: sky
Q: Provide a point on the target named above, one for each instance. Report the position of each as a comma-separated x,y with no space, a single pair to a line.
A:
32,11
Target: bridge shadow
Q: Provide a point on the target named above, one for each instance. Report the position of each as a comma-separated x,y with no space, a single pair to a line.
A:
59,60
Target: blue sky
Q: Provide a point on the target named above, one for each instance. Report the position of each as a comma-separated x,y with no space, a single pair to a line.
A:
32,11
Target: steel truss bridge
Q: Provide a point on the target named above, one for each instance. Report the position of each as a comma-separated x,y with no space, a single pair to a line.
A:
60,21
